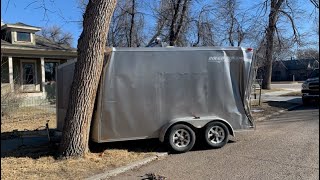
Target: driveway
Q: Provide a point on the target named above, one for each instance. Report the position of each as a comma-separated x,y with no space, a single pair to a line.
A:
284,147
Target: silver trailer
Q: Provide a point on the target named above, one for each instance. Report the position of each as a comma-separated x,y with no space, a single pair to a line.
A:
174,94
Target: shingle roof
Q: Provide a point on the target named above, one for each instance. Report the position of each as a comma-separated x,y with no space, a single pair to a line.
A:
41,43
298,64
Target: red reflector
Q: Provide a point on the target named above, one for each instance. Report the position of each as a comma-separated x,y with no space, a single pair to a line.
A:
250,49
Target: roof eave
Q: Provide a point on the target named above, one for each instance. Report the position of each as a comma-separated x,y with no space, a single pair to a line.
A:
38,52
20,27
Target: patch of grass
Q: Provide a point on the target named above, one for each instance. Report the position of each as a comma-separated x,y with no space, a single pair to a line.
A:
39,162
295,93
47,167
28,118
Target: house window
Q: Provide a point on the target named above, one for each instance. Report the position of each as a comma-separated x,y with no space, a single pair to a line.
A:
24,36
50,71
28,73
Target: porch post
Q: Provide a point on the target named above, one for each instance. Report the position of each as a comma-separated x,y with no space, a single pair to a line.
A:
11,73
43,80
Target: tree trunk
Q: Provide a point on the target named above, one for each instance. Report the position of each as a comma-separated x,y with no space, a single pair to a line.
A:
91,49
266,83
132,23
172,38
275,6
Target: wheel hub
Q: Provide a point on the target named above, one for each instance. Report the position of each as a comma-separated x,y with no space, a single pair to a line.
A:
181,138
216,134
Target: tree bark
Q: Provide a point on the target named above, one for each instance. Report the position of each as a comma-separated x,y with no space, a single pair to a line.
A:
91,49
172,37
274,11
132,23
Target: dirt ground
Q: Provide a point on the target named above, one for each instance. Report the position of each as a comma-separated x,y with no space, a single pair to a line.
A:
39,162
267,108
27,118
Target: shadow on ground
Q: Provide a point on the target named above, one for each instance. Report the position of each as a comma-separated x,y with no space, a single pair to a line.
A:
145,145
39,146
13,144
33,144
310,106
283,104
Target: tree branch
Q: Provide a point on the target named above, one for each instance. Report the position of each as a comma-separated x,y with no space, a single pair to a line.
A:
293,26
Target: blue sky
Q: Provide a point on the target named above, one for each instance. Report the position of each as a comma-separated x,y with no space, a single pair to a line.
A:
66,13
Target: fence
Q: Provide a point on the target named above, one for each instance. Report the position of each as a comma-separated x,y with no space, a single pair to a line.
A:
26,113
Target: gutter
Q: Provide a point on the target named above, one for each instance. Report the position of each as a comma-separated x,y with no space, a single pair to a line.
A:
7,50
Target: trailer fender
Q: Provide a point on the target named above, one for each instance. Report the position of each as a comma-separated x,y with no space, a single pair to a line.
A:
193,124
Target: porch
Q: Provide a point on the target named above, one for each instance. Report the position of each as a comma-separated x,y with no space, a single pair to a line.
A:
29,76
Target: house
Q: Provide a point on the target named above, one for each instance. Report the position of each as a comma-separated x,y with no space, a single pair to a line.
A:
28,61
293,70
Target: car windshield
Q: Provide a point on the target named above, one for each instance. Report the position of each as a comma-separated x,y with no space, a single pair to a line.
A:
314,74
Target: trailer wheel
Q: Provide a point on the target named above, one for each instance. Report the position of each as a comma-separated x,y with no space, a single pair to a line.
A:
181,138
216,134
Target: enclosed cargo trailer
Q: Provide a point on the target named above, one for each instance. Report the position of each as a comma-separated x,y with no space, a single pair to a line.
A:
168,93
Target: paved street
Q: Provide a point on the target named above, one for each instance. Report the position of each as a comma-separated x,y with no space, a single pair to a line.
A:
285,147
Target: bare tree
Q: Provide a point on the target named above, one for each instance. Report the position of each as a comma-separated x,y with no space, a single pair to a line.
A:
172,21
231,21
179,11
308,54
91,52
55,34
203,27
315,3
126,28
278,9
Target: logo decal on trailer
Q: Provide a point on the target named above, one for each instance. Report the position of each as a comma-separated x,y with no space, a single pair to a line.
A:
223,59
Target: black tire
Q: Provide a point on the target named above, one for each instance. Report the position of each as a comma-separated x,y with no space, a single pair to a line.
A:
186,143
220,136
305,101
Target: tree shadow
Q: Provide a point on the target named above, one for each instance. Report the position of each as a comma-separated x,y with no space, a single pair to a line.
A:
282,104
33,144
144,145
310,106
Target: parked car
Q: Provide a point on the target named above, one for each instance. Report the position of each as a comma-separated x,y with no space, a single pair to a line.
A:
310,88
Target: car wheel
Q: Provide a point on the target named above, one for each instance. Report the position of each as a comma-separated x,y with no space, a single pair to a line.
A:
305,101
181,138
216,134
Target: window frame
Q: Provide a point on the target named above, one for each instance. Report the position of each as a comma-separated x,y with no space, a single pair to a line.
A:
22,71
50,61
29,41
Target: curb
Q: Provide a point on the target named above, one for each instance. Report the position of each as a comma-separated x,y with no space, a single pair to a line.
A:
261,119
128,167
